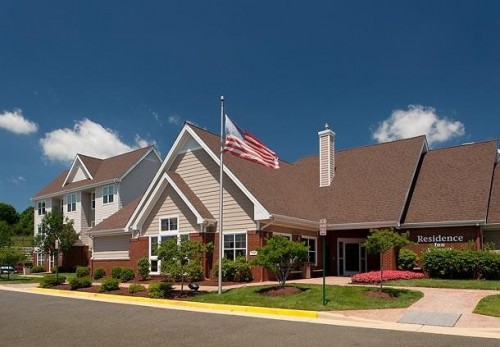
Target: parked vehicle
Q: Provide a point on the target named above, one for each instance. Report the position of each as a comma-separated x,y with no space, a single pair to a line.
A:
7,269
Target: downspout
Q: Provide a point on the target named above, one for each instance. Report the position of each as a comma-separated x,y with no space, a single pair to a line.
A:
92,257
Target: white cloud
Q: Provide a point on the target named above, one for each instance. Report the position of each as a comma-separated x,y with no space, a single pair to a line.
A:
175,119
418,120
18,180
15,122
86,137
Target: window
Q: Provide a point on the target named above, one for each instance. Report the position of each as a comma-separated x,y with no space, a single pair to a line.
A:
288,236
168,224
108,194
155,242
39,258
310,242
235,245
41,207
92,201
72,202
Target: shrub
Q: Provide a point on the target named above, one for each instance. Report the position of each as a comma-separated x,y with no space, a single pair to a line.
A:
51,281
143,268
388,275
109,284
116,272
99,273
158,290
53,270
126,274
135,288
407,259
238,270
82,271
80,282
37,269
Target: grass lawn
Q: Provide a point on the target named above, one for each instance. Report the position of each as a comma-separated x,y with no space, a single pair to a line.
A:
439,283
22,240
15,278
339,298
489,306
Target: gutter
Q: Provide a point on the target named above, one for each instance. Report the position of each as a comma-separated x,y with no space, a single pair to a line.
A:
297,222
445,224
109,232
75,190
364,225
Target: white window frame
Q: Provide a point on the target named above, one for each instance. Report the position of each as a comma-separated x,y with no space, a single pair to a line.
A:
41,205
70,202
315,239
234,240
288,236
92,201
163,234
107,197
39,258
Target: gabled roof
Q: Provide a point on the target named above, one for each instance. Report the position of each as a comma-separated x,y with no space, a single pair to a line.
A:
119,219
191,198
371,183
102,170
494,206
453,185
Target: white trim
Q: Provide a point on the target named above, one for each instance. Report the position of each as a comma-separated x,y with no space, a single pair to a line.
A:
298,223
234,249
87,172
110,232
168,232
444,224
491,226
364,225
74,190
289,236
315,245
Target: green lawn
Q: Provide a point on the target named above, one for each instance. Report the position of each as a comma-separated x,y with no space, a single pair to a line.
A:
15,278
22,240
339,298
439,283
489,306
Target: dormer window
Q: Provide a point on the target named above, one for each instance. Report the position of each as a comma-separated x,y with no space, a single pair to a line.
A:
108,194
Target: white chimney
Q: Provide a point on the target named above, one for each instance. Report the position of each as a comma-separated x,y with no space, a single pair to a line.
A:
326,156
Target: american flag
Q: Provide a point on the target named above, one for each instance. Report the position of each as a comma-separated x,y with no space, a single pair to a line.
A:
242,144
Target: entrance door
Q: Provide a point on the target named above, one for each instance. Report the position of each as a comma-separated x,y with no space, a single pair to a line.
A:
351,257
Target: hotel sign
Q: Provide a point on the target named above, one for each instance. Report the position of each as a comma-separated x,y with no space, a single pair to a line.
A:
439,238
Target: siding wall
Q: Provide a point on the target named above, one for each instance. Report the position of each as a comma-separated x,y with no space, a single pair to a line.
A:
76,216
78,175
170,204
111,247
137,181
103,211
201,173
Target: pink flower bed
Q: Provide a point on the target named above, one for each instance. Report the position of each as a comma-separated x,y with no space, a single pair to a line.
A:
389,275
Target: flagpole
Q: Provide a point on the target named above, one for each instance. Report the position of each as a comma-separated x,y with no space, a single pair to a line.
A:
221,193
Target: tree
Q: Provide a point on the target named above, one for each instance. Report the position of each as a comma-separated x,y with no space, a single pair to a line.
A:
280,255
382,240
8,213
11,256
55,228
25,225
5,234
175,256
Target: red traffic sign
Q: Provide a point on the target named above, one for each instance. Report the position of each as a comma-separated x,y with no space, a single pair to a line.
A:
322,227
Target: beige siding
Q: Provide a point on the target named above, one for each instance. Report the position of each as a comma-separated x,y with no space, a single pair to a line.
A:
75,216
137,181
78,175
111,247
170,204
326,159
201,173
103,211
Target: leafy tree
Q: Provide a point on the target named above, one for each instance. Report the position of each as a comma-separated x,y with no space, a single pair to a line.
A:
175,257
280,255
25,225
5,234
55,228
11,256
8,213
382,240
143,268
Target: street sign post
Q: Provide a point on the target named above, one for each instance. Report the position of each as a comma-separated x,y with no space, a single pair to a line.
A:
322,233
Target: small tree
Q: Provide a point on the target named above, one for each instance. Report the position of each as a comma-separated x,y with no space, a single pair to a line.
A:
11,256
5,234
382,240
54,229
143,268
175,256
280,255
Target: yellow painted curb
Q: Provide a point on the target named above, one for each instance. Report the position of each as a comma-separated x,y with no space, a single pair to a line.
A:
179,303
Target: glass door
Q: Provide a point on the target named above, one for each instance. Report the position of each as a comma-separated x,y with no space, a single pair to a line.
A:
351,257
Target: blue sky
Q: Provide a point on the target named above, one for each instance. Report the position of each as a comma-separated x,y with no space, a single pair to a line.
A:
103,77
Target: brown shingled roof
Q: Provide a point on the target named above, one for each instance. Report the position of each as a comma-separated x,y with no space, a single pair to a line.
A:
102,170
453,184
371,183
190,195
494,206
119,219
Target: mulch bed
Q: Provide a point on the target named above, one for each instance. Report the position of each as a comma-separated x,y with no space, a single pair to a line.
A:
378,294
280,291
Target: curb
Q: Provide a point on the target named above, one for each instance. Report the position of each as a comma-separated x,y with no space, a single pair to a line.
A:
182,304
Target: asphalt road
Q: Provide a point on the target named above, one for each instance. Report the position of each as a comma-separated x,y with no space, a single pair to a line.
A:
39,320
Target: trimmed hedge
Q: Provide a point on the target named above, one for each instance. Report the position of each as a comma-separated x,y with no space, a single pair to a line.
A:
49,281
99,273
82,271
80,282
159,290
461,264
238,270
126,274
407,259
116,272
136,288
109,284
37,268
143,268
